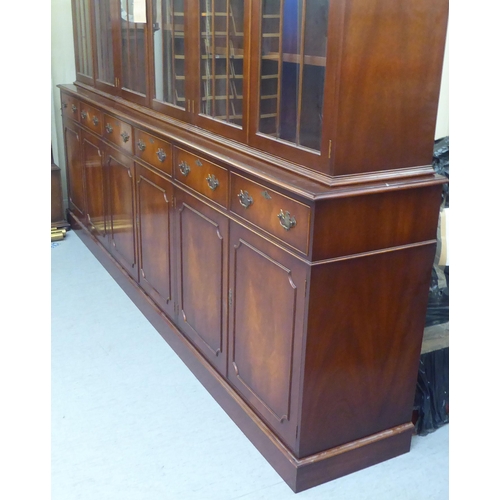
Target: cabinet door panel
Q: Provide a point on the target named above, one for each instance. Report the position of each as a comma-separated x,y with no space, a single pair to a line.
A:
92,155
266,323
121,210
134,57
75,172
83,34
202,277
154,196
293,82
170,59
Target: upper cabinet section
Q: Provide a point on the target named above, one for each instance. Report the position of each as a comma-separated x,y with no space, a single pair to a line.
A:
334,88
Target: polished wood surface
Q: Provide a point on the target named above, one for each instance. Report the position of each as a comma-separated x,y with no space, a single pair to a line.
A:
118,132
202,266
74,169
56,199
121,209
266,328
369,327
154,194
152,150
267,205
205,177
288,267
96,199
388,84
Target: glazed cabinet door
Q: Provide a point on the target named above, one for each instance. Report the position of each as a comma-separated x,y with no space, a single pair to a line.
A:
74,170
291,81
95,187
154,194
133,47
222,48
83,38
170,47
202,277
266,322
121,209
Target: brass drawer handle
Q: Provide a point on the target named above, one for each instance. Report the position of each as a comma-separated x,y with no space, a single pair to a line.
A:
83,114
125,136
141,145
108,128
161,155
245,199
286,220
213,182
95,120
184,168
73,108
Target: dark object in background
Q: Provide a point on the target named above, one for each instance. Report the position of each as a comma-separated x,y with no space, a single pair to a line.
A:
441,163
438,304
431,404
432,395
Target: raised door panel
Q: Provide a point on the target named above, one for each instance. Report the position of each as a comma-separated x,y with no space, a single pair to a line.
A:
75,171
202,277
266,328
154,220
92,157
120,175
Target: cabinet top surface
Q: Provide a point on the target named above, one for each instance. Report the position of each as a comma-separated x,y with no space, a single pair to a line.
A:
262,166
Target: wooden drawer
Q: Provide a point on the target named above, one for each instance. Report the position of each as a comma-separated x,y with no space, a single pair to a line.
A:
204,177
70,107
91,118
279,215
154,151
118,132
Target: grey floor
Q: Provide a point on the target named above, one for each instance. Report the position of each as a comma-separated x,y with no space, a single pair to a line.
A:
130,422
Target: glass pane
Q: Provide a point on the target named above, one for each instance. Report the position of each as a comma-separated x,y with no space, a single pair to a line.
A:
221,63
84,41
168,47
133,48
292,72
105,64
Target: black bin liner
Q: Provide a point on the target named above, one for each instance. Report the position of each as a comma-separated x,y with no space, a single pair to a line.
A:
431,406
432,394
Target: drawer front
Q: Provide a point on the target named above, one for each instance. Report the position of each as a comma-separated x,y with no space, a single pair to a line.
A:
91,118
204,177
70,107
277,214
154,151
118,132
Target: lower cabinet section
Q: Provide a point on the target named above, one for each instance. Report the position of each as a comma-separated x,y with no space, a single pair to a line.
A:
308,335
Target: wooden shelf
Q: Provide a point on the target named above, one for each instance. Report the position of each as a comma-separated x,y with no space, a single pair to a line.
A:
295,58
